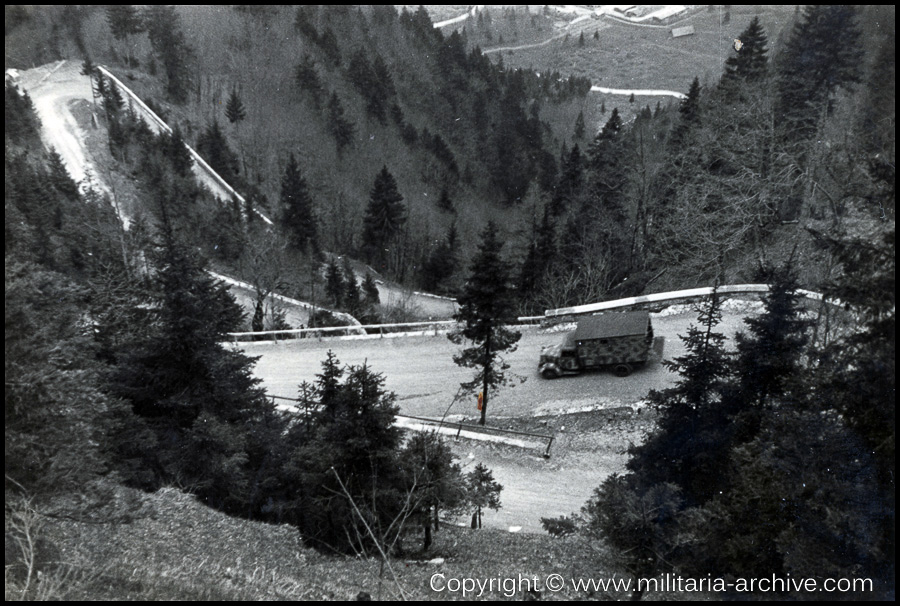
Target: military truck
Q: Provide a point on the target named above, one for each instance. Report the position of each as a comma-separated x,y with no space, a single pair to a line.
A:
620,341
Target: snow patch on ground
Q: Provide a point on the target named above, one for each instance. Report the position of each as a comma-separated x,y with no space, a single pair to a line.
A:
565,407
564,327
638,92
737,306
415,425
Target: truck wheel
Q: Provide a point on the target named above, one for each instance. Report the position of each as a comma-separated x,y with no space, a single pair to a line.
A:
549,373
622,370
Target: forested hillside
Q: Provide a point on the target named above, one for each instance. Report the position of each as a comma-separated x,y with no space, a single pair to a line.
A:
347,92
336,98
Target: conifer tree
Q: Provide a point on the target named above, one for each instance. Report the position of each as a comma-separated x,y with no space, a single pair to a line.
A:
195,395
60,178
353,452
444,202
770,355
483,492
364,77
485,306
351,296
124,21
750,63
689,447
308,80
441,263
234,109
607,168
341,128
384,82
528,274
334,283
570,181
688,116
822,55
858,370
213,146
113,102
170,45
579,125
257,324
177,152
370,290
540,256
297,213
327,41
90,70
385,216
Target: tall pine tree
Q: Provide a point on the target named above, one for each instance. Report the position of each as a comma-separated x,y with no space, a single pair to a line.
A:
385,216
341,128
823,54
234,109
297,212
197,397
750,63
124,22
213,146
170,45
485,307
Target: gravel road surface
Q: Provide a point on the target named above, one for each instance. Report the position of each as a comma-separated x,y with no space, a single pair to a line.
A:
421,371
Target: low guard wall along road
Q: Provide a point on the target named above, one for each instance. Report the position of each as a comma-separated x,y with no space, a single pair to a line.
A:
203,169
550,315
456,429
669,296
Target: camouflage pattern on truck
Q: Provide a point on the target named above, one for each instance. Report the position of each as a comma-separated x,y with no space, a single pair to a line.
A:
603,352
620,341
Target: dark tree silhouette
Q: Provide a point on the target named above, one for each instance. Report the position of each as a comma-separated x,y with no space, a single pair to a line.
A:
234,109
485,306
385,216
297,213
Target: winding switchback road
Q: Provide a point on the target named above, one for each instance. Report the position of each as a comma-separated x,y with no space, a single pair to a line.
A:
420,369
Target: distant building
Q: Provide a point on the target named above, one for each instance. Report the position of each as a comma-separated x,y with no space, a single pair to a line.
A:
687,30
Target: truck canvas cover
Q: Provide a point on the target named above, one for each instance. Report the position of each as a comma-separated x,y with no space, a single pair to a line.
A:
611,325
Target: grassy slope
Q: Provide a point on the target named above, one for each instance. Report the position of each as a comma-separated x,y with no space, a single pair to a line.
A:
631,56
167,545
176,548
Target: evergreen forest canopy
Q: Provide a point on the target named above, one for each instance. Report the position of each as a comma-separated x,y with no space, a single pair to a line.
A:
114,362
332,99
